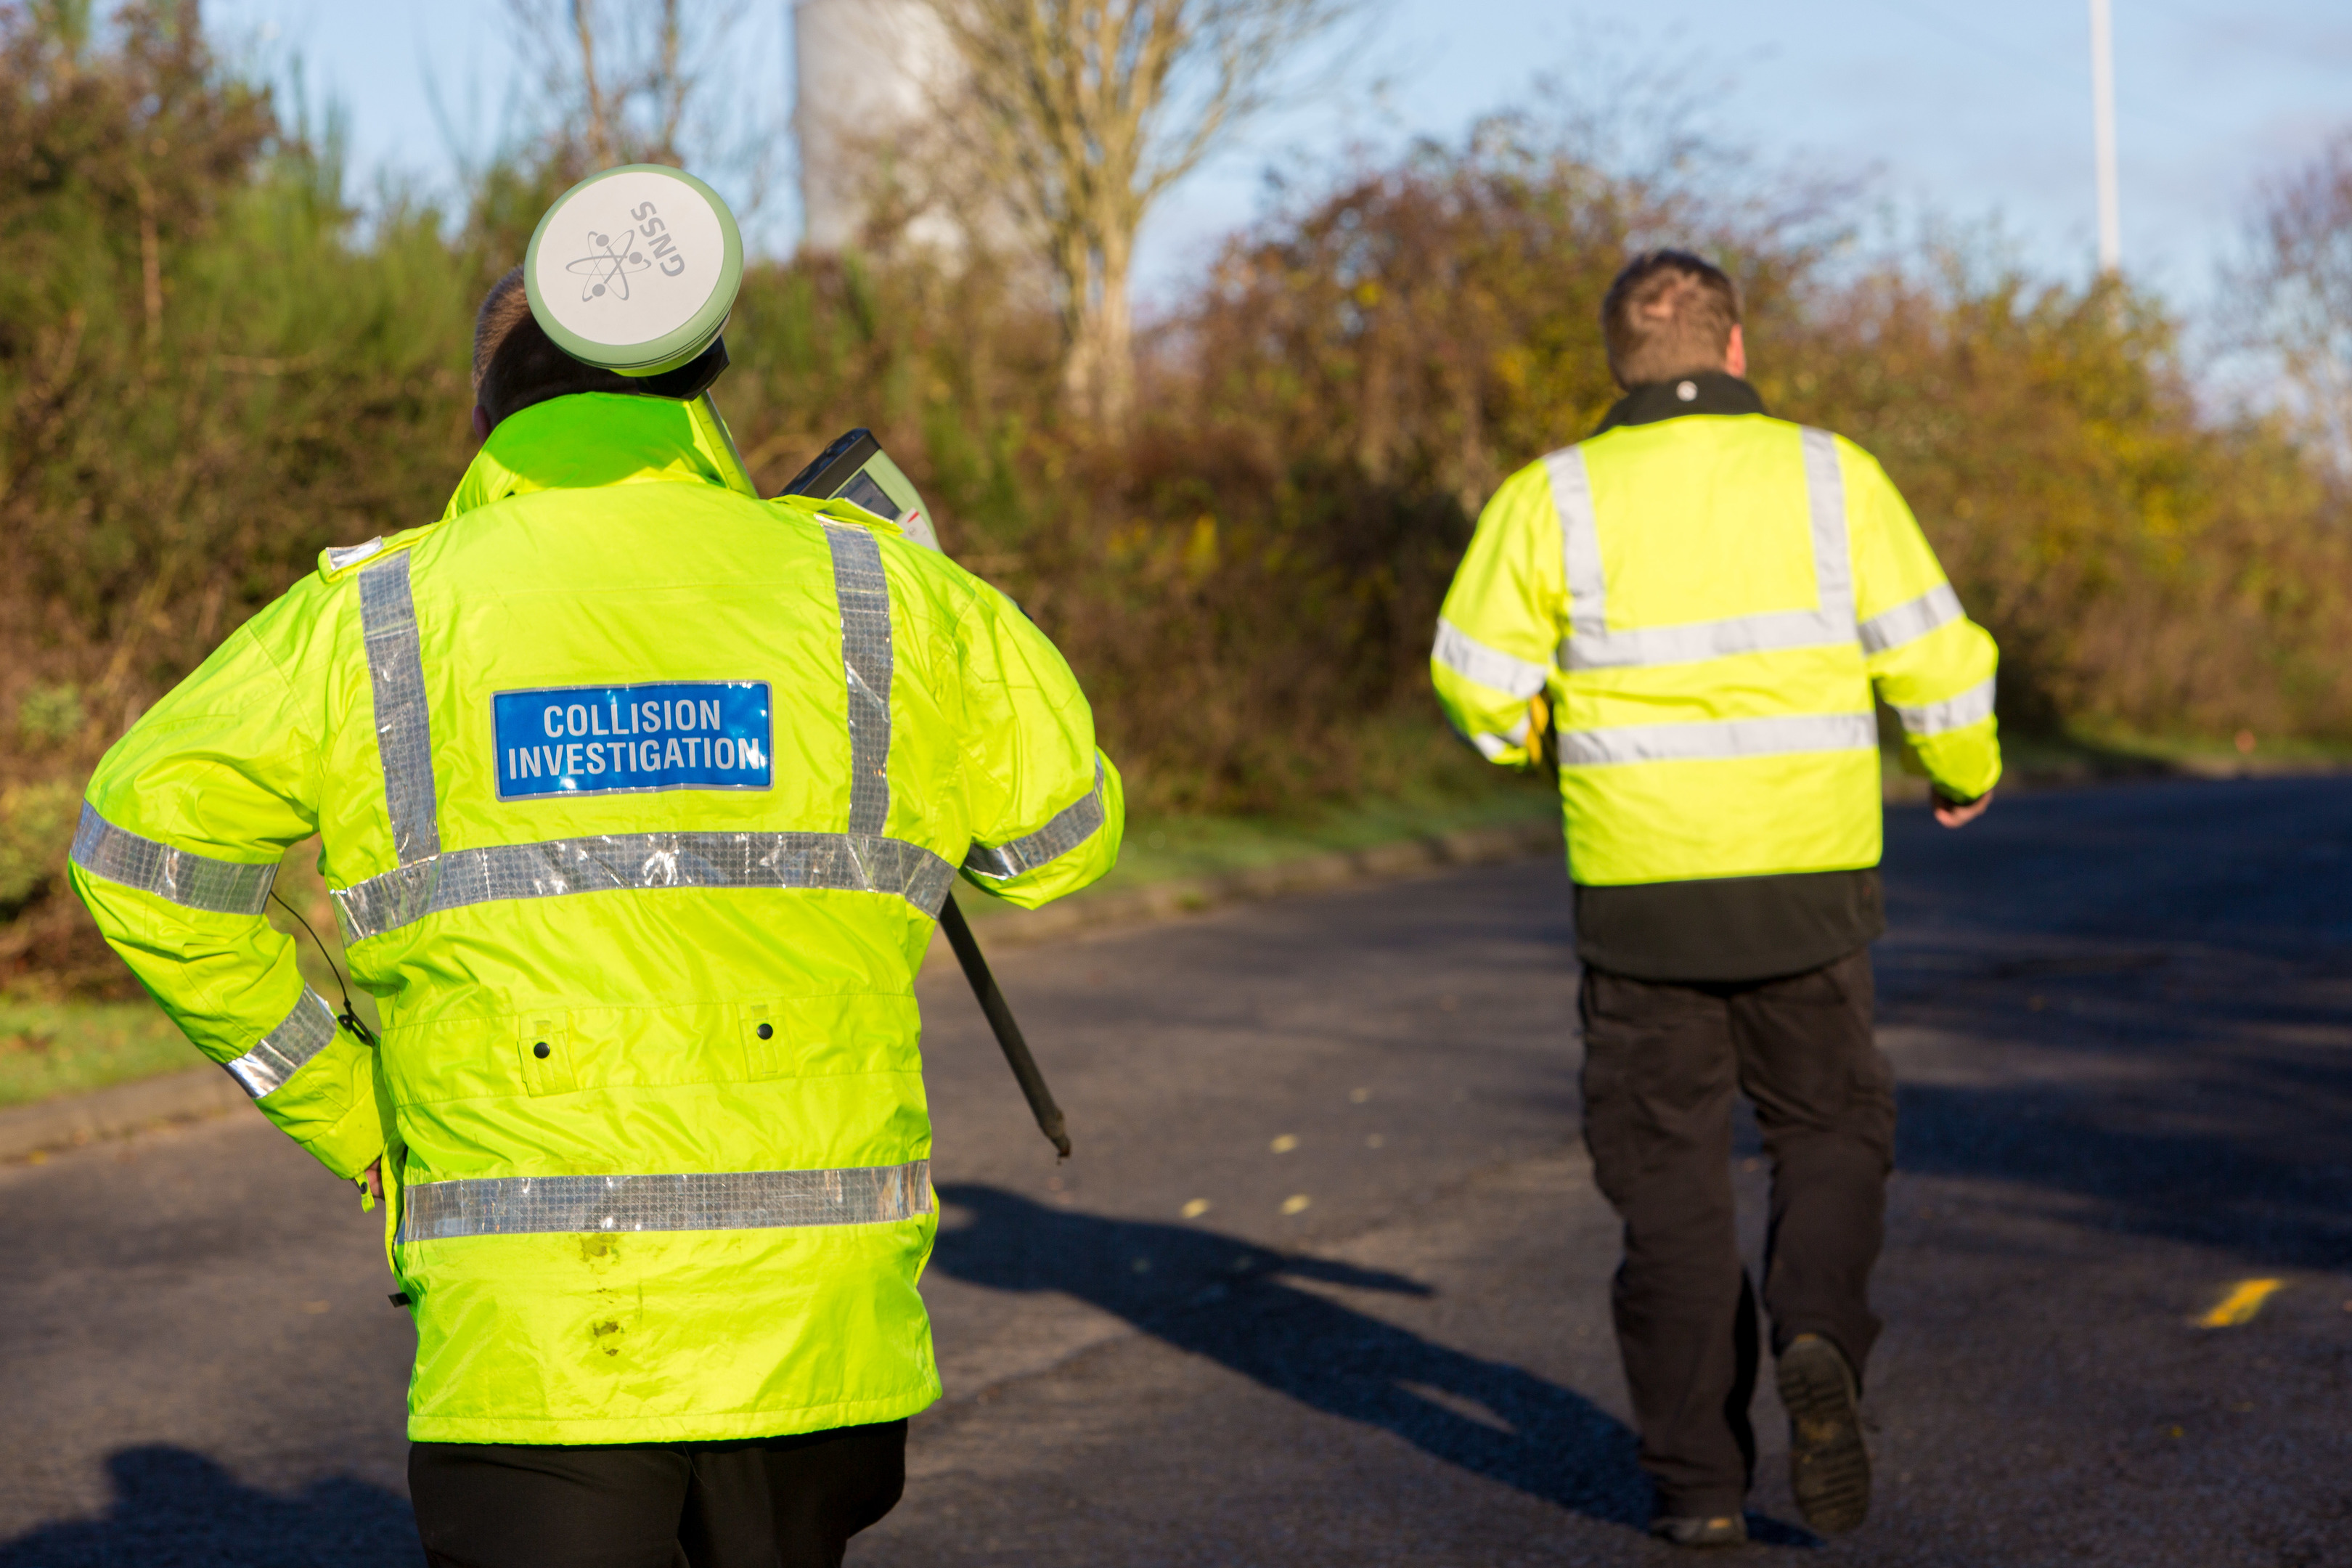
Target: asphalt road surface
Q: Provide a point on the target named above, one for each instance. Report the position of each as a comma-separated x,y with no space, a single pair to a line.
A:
1328,1280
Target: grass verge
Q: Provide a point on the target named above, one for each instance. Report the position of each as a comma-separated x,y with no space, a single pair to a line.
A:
49,1048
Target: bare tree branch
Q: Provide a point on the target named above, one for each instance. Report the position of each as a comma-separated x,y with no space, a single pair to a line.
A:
2297,292
625,82
1089,112
600,124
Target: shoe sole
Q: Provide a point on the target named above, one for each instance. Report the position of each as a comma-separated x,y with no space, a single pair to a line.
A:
1829,1466
1701,1534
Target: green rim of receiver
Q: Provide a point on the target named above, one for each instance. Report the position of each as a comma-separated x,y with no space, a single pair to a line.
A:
658,324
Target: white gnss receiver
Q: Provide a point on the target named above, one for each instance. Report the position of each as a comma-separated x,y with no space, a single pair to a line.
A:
635,271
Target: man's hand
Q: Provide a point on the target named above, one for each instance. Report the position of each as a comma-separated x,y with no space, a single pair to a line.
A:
1954,816
374,1177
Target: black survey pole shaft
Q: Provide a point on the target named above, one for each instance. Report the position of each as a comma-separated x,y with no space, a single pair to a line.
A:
1008,1033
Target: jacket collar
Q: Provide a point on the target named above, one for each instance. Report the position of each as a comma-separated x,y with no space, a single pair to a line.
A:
1712,392
584,440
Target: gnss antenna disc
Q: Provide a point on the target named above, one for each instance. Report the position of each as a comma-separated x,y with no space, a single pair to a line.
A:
635,269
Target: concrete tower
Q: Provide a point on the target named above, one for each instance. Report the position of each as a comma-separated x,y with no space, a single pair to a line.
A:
865,68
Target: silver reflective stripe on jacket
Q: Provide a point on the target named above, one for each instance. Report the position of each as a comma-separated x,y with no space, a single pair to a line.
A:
1466,657
341,555
458,879
403,726
1580,543
738,1200
864,594
1970,706
1592,645
306,1031
1939,606
191,880
1715,739
1069,827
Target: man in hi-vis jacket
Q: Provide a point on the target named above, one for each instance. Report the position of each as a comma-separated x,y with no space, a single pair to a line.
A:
638,798
1695,603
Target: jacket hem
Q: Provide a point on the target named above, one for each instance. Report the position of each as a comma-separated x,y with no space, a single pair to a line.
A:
717,1427
1729,929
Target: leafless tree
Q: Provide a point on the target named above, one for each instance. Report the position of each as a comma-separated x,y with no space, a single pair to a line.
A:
622,75
1088,112
2297,291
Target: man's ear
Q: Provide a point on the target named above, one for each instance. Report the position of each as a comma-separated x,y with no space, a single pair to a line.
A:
482,418
1734,353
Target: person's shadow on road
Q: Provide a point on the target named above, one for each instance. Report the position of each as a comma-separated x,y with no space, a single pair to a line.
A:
1231,1302
172,1506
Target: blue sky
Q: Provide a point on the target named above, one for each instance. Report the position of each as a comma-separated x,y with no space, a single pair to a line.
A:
1972,110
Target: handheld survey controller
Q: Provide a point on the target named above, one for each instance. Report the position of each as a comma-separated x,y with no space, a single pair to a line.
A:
855,468
636,271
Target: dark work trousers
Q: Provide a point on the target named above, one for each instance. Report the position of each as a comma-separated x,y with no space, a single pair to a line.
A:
1662,1061
770,1502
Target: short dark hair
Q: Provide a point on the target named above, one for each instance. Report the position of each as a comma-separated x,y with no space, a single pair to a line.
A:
516,364
1669,313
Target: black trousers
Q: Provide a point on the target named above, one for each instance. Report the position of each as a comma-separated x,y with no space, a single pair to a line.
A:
1662,1062
772,1502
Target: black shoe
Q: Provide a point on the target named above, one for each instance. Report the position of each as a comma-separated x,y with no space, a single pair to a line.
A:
1724,1529
1829,1467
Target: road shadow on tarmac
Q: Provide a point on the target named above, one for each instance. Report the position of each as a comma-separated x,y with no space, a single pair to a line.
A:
2212,1107
176,1507
1229,1301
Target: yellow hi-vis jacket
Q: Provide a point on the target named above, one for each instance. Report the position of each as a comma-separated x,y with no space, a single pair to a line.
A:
638,799
1707,600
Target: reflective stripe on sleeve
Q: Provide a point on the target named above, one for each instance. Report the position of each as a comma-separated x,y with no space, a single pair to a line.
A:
864,594
1970,706
739,1200
1909,622
635,861
1491,746
306,1031
1070,826
191,880
1466,657
1720,739
403,726
1592,645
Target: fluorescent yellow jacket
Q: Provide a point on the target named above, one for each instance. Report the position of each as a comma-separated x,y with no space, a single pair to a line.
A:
1706,603
638,799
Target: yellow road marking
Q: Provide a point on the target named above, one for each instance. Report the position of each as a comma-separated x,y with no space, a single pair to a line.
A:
1196,1208
1296,1203
1285,1144
2246,1298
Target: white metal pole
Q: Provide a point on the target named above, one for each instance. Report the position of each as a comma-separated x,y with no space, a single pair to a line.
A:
2102,117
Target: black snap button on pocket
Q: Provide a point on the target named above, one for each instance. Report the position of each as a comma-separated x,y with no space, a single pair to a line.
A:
539,1050
767,1031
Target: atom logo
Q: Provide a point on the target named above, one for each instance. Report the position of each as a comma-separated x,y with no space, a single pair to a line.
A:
608,266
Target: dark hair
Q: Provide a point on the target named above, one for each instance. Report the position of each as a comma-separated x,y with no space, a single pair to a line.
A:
516,364
1669,313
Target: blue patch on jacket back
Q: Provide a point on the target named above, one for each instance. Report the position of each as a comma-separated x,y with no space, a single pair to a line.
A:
618,740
